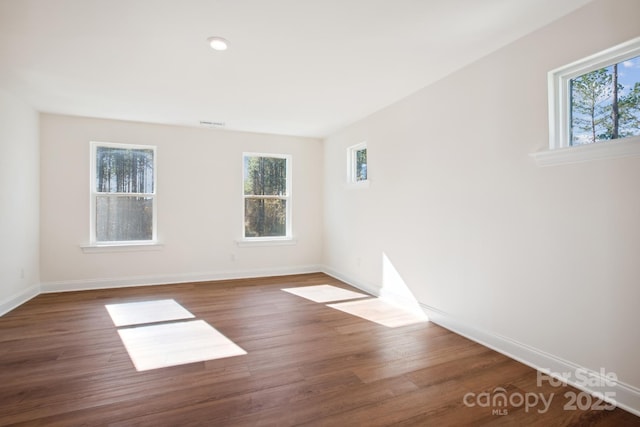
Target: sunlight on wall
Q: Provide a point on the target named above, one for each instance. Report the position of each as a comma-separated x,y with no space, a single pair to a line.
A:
395,290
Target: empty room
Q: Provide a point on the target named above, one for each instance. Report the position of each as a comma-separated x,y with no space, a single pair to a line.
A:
304,212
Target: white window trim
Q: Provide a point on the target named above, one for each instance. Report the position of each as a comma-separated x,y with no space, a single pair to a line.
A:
560,151
129,245
352,182
266,241
270,240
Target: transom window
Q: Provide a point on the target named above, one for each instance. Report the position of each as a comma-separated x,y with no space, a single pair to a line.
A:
267,196
123,193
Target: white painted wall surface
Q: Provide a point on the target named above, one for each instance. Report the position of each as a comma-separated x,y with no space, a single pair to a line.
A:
19,201
546,257
199,181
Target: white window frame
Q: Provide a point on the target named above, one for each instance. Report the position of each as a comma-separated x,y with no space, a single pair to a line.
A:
288,238
560,149
94,243
352,172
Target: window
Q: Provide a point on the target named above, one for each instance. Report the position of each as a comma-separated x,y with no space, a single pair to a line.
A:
605,103
123,193
357,164
595,100
267,196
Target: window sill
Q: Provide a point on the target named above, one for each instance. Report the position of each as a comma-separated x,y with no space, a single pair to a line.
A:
357,185
135,247
266,242
627,147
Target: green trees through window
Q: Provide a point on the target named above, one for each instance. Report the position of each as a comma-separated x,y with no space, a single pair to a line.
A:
266,196
361,164
357,172
605,103
123,194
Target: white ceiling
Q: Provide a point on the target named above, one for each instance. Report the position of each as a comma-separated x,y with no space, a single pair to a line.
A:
297,67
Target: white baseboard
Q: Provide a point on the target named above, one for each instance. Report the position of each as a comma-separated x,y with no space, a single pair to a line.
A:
18,299
627,396
121,282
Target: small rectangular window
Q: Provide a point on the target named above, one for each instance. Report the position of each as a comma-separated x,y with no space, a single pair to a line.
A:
123,193
267,196
605,103
596,99
357,163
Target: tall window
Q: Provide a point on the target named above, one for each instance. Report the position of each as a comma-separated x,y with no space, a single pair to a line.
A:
267,196
123,193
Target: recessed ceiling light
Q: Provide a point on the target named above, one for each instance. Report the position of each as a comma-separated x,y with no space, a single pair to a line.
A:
218,43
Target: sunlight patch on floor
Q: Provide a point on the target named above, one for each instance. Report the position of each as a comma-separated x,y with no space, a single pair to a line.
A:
325,293
153,345
136,313
177,343
381,312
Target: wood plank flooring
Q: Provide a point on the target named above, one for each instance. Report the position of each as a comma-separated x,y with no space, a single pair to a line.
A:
62,363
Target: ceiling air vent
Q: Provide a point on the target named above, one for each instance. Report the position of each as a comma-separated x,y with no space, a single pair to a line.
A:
209,124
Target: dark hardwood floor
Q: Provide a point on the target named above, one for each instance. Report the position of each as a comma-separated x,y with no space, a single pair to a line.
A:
62,363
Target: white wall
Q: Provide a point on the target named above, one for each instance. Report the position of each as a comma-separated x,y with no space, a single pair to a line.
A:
19,201
199,205
545,257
